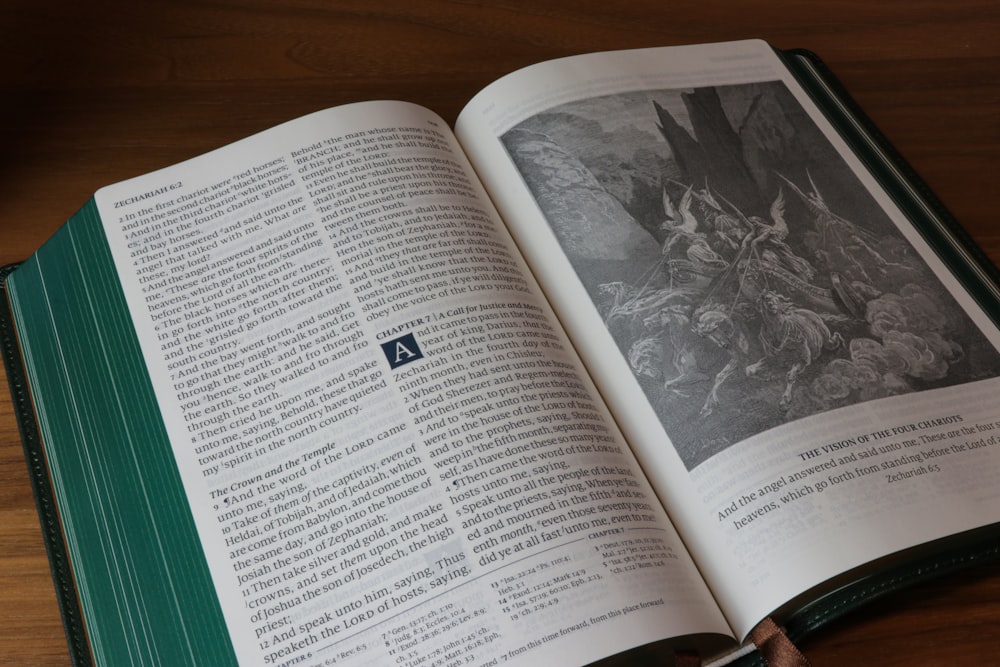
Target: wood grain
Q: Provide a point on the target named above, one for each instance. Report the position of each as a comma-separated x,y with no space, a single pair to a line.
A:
100,91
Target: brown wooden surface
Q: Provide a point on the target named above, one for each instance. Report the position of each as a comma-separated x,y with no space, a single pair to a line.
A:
95,92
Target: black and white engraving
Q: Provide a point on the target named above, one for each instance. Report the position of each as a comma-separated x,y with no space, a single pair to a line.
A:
745,273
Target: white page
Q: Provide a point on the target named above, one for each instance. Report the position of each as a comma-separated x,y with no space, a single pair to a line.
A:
587,134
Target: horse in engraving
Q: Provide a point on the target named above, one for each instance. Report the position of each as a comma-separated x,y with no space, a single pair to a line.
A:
791,334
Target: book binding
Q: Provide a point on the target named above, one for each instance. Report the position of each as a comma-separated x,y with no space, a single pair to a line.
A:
34,454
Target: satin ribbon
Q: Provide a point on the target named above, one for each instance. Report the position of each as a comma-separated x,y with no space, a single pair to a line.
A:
775,646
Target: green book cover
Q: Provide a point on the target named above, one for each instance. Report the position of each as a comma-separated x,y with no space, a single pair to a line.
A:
143,584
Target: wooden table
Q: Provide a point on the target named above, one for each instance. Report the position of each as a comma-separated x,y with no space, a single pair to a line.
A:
100,91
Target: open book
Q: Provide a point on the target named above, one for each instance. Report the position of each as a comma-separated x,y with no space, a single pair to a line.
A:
655,345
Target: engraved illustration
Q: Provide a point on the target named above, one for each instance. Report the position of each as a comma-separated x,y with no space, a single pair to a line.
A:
747,276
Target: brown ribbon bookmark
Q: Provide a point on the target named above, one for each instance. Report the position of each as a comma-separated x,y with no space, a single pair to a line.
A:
775,646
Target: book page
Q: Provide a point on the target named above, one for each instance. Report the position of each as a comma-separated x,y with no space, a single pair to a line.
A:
391,450
808,387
